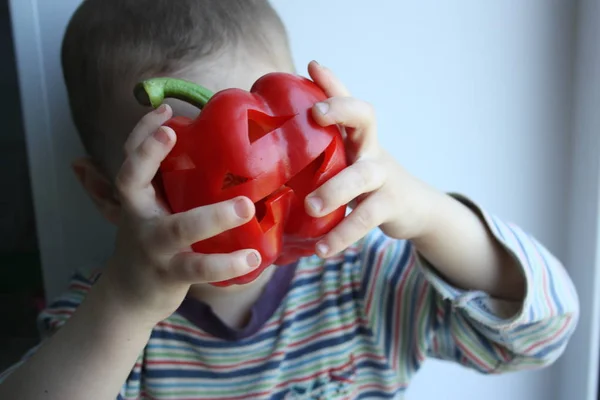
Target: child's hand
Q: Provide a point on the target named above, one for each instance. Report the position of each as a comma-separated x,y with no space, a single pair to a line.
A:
153,265
379,190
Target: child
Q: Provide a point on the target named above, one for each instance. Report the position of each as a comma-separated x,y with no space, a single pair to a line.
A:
410,273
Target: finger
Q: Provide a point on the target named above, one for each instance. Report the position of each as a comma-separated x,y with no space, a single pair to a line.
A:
134,180
367,216
181,230
147,126
362,177
350,113
326,80
208,268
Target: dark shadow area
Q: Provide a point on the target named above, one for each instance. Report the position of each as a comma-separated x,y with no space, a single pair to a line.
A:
21,285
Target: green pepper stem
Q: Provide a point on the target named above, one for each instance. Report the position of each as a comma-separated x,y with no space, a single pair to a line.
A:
153,92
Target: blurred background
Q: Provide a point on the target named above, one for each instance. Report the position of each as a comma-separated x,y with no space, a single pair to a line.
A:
497,100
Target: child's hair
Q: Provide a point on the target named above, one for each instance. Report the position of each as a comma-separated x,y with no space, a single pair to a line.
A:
109,45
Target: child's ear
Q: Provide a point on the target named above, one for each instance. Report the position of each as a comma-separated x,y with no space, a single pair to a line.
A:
98,187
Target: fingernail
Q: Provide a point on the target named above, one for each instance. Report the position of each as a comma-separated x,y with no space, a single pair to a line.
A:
162,109
322,249
162,135
242,208
316,62
323,108
253,260
315,204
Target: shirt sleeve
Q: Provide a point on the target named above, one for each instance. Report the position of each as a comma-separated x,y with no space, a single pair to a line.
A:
58,312
414,313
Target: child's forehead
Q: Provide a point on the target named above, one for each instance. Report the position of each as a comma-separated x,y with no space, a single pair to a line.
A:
217,74
220,76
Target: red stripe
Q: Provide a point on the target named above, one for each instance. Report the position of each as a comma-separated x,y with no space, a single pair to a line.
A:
436,347
503,353
80,286
308,271
214,366
145,395
472,357
187,329
551,338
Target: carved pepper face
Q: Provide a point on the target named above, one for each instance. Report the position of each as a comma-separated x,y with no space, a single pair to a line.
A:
261,144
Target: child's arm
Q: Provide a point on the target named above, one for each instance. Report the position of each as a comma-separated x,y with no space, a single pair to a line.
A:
446,232
464,251
477,286
423,315
93,353
146,280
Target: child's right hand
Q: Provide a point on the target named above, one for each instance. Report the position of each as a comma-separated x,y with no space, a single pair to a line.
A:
153,265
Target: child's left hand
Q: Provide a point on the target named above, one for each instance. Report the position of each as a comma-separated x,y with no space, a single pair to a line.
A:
380,192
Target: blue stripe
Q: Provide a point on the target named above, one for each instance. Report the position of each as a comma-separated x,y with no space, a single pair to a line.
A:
371,254
377,394
314,289
297,283
64,304
78,277
329,342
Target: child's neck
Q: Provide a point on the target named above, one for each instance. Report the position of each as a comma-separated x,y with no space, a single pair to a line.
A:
232,304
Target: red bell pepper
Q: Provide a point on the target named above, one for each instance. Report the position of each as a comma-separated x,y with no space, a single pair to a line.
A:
263,144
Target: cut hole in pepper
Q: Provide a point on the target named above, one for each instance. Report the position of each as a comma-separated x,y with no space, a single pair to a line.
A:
230,180
261,124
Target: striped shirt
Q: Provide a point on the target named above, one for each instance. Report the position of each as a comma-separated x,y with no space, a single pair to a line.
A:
358,326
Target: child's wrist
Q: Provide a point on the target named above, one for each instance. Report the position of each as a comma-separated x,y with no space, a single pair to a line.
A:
113,305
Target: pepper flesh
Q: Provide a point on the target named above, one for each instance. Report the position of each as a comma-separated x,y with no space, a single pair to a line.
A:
262,144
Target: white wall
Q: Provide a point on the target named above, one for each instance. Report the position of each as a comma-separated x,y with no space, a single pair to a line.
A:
472,96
